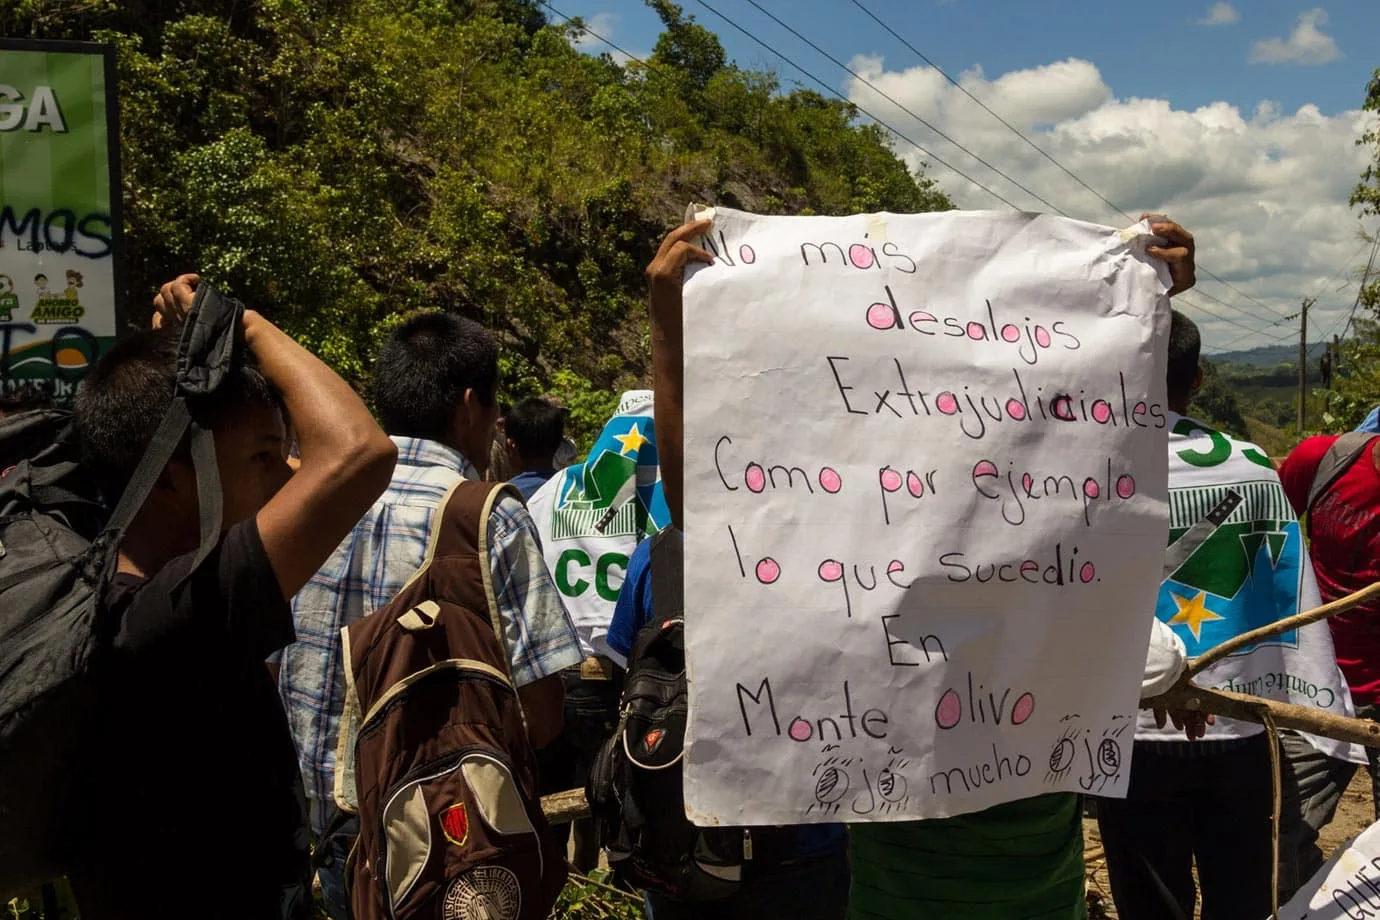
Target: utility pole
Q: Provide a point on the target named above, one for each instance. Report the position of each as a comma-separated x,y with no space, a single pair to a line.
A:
1303,361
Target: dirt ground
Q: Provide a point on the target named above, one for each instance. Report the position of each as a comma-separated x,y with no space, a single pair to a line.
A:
1355,813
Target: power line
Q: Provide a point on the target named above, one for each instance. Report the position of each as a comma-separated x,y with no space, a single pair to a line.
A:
1365,277
1231,306
1036,147
823,84
579,24
879,91
955,143
870,85
963,89
817,80
830,89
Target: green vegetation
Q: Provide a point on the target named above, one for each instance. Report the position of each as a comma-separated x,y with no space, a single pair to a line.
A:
594,897
1357,389
1258,402
339,163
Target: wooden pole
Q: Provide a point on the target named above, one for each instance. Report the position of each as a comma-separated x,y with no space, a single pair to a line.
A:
1303,363
564,807
1279,627
1239,706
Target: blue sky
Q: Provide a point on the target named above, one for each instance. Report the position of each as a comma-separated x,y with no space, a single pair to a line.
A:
1140,50
1237,119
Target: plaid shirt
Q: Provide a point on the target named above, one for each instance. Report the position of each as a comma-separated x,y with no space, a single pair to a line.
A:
365,572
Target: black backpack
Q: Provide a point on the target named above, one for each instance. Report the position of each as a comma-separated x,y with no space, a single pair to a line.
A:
57,554
635,785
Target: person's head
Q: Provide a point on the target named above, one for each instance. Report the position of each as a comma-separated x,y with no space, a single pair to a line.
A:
119,407
40,280
436,378
74,277
1184,375
534,429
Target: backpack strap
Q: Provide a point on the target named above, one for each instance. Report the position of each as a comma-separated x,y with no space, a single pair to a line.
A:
1338,459
668,574
496,491
205,359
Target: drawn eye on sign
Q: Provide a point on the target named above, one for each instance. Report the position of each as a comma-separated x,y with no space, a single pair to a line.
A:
1109,756
892,786
887,790
1061,759
1102,756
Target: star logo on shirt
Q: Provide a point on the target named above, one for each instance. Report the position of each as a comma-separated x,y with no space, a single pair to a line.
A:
631,441
1193,613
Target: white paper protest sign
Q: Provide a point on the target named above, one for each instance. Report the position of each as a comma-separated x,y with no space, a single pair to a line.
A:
925,512
1347,886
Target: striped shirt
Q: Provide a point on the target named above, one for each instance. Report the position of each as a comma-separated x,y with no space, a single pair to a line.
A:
371,565
1018,861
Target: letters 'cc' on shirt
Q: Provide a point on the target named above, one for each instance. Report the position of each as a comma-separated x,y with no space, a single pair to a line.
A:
1344,532
372,564
194,758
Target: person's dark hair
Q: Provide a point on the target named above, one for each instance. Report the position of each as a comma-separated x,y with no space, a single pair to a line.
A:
537,427
423,370
122,401
1184,347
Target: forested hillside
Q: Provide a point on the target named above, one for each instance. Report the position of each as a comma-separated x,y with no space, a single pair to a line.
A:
338,163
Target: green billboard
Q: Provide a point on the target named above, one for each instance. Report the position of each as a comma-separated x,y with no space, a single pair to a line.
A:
60,241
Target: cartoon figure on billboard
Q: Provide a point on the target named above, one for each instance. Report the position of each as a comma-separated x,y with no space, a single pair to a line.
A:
41,285
9,300
73,282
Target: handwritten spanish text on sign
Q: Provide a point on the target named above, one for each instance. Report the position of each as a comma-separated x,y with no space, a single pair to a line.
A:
925,512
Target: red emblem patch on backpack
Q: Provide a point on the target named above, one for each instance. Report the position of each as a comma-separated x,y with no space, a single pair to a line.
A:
652,739
455,824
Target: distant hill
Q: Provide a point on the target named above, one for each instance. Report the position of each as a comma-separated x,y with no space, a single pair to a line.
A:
1267,356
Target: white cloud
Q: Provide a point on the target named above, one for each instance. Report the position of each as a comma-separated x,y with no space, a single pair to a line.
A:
1264,191
1307,44
1220,14
603,25
600,23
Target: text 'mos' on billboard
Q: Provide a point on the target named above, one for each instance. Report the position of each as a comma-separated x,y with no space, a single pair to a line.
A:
60,240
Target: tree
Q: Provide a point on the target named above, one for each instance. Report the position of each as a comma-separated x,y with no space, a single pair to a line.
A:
340,163
1356,385
1216,403
1356,381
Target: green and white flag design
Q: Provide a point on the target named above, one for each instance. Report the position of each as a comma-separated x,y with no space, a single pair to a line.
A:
1237,561
592,515
59,210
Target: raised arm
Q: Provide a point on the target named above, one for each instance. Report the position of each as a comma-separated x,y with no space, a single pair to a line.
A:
346,462
346,459
665,275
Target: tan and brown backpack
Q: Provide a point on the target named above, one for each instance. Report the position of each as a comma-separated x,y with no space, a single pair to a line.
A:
434,755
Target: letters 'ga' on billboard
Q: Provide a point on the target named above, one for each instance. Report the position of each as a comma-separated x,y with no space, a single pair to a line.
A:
60,235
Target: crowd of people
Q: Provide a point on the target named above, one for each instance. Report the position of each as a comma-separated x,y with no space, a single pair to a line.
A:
220,797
